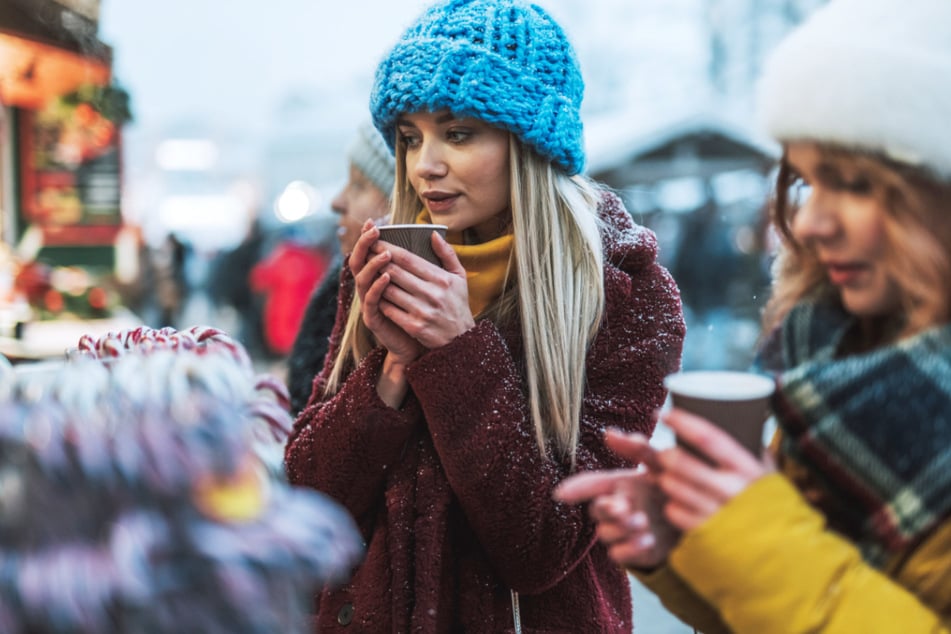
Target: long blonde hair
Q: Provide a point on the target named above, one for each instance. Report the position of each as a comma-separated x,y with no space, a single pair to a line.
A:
554,285
918,235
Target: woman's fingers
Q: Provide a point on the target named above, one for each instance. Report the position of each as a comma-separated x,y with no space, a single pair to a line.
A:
445,252
633,446
361,249
698,484
371,273
710,441
617,519
684,517
718,483
690,494
638,551
371,301
419,282
587,485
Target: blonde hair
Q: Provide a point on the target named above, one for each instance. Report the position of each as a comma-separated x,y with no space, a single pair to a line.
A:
917,234
554,285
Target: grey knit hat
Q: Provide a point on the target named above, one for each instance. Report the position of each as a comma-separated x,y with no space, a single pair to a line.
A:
370,154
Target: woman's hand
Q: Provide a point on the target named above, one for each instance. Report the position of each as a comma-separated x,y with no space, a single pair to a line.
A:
697,489
371,283
626,504
428,303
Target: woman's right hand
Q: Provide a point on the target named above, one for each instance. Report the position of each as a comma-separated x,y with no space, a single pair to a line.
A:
626,504
370,286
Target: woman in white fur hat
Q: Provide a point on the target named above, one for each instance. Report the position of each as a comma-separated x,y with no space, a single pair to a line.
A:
846,525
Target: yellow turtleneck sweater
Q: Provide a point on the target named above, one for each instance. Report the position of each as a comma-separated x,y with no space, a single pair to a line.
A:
485,264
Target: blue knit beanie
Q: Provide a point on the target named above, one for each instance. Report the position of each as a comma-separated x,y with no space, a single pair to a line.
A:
505,62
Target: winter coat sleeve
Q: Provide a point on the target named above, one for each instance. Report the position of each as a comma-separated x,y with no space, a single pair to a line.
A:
344,445
471,393
788,573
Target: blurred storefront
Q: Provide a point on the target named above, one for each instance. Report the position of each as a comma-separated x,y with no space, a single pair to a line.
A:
62,233
700,182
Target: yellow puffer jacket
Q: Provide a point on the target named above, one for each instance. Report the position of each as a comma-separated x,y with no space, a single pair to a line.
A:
766,564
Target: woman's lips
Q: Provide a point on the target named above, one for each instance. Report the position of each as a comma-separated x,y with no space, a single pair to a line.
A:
844,274
440,204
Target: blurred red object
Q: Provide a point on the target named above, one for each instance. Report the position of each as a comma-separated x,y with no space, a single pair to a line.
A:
287,277
33,281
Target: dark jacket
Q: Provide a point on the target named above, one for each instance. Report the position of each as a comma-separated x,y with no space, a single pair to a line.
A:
313,338
451,492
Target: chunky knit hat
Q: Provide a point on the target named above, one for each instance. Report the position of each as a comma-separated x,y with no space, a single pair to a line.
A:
505,62
873,75
369,153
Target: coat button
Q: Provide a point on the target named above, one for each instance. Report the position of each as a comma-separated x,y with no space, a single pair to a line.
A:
345,615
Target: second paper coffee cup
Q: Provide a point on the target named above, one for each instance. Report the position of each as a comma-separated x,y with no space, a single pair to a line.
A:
737,402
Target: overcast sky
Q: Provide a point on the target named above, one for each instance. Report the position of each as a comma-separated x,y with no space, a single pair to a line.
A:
193,56
237,59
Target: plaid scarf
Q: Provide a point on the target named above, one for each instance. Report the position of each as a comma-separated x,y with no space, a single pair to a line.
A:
874,429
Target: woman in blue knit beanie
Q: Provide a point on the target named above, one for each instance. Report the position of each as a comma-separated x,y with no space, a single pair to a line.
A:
845,525
455,398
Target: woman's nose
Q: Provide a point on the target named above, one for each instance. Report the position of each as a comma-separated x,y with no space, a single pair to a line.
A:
430,161
815,219
339,202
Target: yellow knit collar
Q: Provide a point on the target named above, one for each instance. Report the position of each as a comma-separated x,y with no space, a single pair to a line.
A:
486,264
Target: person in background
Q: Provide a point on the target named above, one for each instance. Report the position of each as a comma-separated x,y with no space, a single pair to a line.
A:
844,525
171,280
365,196
286,277
230,287
455,398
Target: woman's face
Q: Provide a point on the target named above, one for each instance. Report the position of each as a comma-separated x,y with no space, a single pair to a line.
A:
459,168
842,221
359,200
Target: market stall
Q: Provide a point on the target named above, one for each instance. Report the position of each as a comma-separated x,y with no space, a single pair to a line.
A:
61,118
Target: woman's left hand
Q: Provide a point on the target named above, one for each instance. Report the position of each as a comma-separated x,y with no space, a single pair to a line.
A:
696,489
429,303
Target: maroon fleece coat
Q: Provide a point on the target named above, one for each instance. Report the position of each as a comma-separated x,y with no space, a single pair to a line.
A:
451,492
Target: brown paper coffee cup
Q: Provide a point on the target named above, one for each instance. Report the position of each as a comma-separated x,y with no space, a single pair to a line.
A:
414,238
737,402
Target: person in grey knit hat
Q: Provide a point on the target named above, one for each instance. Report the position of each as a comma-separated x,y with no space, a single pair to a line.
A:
365,196
456,396
845,526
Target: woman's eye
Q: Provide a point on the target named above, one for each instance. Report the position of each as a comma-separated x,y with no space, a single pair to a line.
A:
410,140
458,136
860,185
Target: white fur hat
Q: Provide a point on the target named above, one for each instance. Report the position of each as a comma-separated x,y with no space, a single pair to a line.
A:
866,74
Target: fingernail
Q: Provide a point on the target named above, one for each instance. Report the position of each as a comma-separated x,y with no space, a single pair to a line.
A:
638,520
